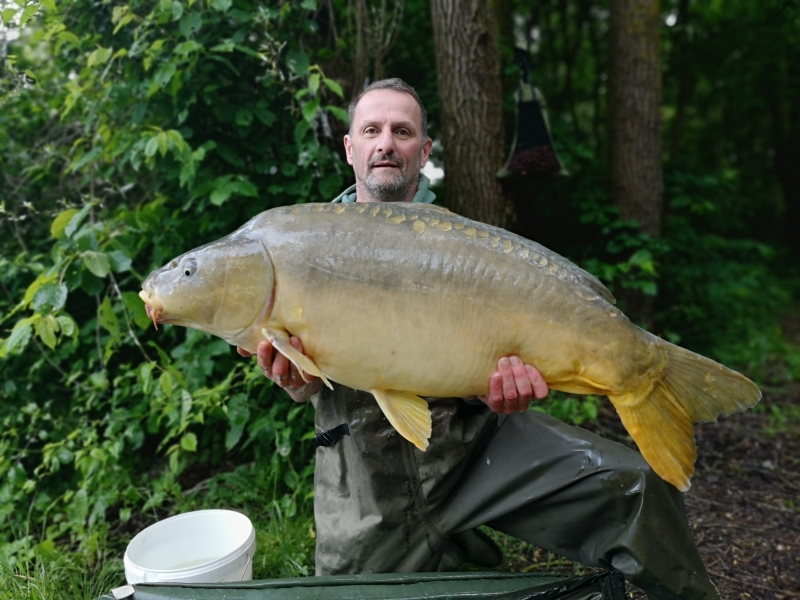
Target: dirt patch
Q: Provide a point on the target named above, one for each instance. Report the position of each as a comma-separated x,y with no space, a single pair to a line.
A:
744,504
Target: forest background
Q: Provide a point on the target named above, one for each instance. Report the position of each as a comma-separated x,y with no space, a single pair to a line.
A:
131,132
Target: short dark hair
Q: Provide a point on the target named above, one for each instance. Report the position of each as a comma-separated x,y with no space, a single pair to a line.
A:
398,85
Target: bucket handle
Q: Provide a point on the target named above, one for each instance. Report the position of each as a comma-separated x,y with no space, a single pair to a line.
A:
245,566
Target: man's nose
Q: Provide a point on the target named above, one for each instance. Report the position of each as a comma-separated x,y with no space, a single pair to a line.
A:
386,142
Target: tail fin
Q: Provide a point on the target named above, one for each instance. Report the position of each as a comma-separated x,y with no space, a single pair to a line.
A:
692,389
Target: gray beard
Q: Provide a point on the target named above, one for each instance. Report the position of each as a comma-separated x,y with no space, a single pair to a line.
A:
393,191
396,190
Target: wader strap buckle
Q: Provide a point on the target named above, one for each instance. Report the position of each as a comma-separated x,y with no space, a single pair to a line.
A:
330,437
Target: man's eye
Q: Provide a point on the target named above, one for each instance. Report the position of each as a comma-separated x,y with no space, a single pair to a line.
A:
370,130
403,132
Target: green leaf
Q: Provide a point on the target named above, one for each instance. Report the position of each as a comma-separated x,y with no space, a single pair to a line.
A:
189,442
151,147
186,406
313,82
244,116
8,15
146,377
225,187
135,307
334,87
177,10
76,220
300,131
107,318
79,509
97,263
119,12
176,140
640,256
41,280
190,23
267,117
649,288
99,57
310,109
20,336
68,36
50,297
163,143
123,21
339,113
27,13
238,415
164,75
119,261
221,194
166,384
221,5
46,329
298,61
68,326
187,47
61,221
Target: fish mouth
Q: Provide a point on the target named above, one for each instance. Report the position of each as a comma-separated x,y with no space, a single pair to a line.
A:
154,312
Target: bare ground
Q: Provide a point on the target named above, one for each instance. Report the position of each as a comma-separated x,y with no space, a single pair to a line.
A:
744,504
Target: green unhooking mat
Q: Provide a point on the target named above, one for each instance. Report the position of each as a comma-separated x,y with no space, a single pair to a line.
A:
606,585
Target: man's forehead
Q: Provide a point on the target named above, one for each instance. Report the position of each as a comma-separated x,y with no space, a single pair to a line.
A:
379,104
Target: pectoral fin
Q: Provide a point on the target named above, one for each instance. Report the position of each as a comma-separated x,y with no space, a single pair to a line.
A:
280,340
409,415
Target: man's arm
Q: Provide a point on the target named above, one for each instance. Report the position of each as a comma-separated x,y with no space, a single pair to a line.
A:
511,388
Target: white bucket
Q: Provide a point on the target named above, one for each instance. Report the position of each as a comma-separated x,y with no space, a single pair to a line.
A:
204,546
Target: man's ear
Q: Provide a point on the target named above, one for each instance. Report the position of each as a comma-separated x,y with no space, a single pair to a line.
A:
348,149
426,152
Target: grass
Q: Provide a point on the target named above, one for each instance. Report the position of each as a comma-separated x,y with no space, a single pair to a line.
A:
65,577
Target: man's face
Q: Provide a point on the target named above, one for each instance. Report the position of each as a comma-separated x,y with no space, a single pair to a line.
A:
386,147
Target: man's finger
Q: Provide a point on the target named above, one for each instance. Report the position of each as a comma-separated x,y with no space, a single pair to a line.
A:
522,383
280,366
296,343
243,352
509,385
540,389
495,397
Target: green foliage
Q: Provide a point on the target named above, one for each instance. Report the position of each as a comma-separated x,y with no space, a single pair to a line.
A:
569,407
152,128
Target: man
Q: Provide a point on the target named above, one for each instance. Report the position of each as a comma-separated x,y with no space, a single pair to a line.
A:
381,505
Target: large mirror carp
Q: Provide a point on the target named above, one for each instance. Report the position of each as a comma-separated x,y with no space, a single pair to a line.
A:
407,300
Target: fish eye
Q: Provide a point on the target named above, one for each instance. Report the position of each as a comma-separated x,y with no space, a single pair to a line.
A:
189,267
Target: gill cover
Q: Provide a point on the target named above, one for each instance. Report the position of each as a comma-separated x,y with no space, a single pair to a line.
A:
222,288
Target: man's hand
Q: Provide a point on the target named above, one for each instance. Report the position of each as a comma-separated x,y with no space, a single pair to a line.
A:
283,372
514,386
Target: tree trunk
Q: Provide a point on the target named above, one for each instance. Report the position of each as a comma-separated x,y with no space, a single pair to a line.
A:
470,91
635,126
